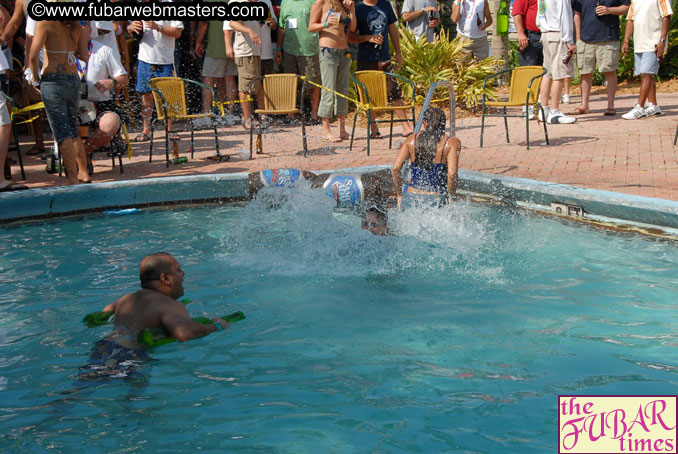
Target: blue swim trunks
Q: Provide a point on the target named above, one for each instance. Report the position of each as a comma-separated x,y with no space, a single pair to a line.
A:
147,71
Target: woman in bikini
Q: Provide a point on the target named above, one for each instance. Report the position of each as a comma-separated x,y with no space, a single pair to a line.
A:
62,42
333,19
434,158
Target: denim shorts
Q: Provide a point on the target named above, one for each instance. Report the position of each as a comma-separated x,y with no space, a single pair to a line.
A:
61,95
646,63
147,71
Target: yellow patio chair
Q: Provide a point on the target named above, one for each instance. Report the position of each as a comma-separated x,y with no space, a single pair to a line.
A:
169,94
525,83
280,98
372,91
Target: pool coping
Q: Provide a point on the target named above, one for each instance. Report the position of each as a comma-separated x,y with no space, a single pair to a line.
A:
598,205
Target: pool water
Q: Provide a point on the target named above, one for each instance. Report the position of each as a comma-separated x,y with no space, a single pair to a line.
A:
456,334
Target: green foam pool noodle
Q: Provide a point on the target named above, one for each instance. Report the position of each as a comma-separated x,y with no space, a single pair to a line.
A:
97,318
102,317
155,337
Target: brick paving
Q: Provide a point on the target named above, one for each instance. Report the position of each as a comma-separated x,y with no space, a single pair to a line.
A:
634,157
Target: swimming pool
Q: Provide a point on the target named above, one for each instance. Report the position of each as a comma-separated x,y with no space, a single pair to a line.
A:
456,334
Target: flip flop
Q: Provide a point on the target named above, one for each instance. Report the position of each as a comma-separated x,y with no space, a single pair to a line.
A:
408,134
375,135
579,111
13,186
610,112
141,137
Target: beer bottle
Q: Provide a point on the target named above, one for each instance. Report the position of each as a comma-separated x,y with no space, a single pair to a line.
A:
502,19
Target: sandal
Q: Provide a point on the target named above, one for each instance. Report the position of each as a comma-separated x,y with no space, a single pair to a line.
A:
35,150
375,135
141,137
579,111
610,112
13,186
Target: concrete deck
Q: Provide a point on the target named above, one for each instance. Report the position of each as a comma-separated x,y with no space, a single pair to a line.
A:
633,157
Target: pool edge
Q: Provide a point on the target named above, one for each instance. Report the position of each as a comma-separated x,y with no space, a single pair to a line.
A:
45,203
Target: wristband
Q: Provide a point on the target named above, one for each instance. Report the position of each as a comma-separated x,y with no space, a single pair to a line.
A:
218,325
115,82
278,48
423,10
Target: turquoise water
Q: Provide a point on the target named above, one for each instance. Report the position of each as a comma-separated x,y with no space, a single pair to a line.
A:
455,335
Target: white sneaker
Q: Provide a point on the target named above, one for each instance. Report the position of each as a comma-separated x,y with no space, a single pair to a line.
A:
635,113
652,110
531,115
546,113
566,99
556,117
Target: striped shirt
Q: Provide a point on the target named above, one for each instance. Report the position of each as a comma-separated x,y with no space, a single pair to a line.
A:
647,18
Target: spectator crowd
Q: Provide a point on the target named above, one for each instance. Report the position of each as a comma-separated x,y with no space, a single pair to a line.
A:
79,70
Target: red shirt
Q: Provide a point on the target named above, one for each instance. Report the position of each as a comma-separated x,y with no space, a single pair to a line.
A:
527,9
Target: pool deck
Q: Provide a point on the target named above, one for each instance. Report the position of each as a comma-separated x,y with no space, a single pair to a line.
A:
632,157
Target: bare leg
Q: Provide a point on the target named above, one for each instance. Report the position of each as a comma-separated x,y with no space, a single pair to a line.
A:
586,83
5,131
231,92
652,94
611,86
246,109
567,82
645,89
109,123
407,128
207,94
546,91
343,134
315,100
81,160
68,154
556,90
146,112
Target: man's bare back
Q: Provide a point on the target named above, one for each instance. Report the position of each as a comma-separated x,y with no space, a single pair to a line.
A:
156,305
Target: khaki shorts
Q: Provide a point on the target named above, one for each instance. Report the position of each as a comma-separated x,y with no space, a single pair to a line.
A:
479,48
219,67
605,54
249,68
304,66
555,50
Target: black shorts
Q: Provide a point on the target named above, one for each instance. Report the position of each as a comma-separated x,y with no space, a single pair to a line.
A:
533,54
394,93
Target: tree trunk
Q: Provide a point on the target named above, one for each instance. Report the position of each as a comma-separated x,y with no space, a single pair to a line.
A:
499,43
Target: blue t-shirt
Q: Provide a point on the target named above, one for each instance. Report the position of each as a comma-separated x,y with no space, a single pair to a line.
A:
596,28
373,20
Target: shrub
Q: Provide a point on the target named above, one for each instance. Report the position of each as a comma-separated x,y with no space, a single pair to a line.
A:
425,63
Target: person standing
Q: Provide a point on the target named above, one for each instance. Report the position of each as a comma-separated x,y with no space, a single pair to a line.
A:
156,59
530,52
218,70
446,23
297,48
648,22
472,18
422,18
333,19
554,19
376,23
596,24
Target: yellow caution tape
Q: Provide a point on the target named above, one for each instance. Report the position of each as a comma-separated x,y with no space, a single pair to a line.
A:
221,104
129,145
36,106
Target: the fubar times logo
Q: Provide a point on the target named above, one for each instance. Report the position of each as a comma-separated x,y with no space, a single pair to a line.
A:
617,424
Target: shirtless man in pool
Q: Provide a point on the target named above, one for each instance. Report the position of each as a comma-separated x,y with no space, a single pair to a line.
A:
156,305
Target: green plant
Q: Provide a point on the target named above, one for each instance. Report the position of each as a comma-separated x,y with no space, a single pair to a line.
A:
425,63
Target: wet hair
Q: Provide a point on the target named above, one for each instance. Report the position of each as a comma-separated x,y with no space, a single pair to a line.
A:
426,143
377,210
152,267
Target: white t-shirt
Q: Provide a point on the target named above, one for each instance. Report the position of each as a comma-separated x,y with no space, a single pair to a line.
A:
102,64
242,44
471,10
266,45
556,16
157,48
30,26
647,16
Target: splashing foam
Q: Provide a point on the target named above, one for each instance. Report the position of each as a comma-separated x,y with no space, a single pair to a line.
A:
298,232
